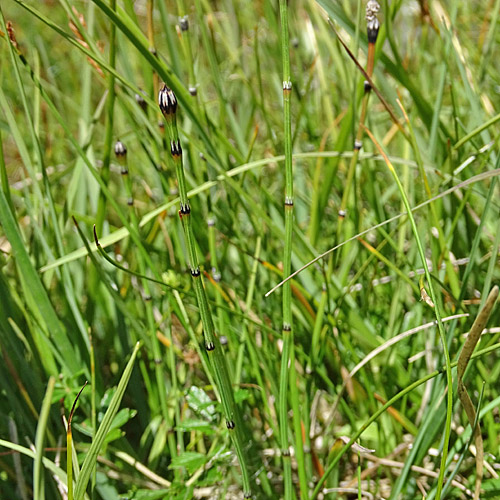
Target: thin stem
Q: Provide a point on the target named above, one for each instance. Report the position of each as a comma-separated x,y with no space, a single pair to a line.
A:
383,408
442,336
121,155
287,259
372,32
108,134
168,106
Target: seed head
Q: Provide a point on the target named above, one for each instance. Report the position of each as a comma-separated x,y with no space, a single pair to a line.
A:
372,23
120,149
12,34
167,102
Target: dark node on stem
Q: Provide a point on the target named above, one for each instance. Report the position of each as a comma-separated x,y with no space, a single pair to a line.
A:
140,101
193,91
161,124
230,425
295,42
223,340
372,34
157,361
202,157
120,149
175,148
195,273
184,23
153,51
167,102
288,201
342,213
209,346
97,244
124,171
367,86
247,495
130,202
147,297
287,86
287,327
185,209
285,453
357,145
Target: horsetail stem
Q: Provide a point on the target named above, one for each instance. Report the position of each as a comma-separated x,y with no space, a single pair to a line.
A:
372,29
121,156
185,39
108,134
288,345
168,106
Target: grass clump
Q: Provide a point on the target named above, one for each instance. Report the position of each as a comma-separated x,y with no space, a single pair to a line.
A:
238,273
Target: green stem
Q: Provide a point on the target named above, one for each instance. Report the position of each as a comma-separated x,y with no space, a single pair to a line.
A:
372,33
383,408
287,261
108,134
155,344
442,336
168,106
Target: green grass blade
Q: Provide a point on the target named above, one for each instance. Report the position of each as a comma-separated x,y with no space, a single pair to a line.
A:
91,456
38,480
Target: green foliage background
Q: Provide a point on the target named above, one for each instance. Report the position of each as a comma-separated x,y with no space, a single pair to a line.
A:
65,100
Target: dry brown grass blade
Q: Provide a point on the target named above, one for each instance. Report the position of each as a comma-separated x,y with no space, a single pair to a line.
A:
475,332
469,346
370,81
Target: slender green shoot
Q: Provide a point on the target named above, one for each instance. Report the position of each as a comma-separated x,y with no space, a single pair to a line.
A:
108,134
288,344
372,29
69,446
38,477
234,423
437,311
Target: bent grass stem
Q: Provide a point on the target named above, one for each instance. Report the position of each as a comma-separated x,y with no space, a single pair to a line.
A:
383,408
432,293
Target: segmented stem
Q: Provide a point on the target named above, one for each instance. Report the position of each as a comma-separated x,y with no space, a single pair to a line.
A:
372,29
121,155
288,345
108,135
168,106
